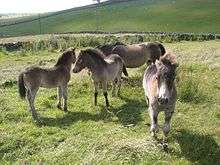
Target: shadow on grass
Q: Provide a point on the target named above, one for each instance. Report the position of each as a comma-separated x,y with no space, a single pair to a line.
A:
72,117
130,112
197,148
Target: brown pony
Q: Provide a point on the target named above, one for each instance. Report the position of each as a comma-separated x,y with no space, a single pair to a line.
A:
58,76
103,69
107,48
137,55
160,91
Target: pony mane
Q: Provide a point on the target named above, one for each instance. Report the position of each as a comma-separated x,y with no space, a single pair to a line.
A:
96,54
64,57
169,58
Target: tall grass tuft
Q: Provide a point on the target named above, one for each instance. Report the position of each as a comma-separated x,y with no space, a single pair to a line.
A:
189,89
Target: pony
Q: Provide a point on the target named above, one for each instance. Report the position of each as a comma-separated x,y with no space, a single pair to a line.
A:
107,48
30,80
137,55
103,69
160,92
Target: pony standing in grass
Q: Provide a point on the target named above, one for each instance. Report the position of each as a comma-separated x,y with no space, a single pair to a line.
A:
103,70
33,78
137,55
160,91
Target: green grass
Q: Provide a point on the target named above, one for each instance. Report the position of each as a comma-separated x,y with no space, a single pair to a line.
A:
91,135
160,15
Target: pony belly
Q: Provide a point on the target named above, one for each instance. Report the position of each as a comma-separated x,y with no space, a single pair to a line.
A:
135,59
50,83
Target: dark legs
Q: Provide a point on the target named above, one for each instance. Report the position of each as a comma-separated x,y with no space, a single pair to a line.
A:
104,86
106,99
105,93
96,85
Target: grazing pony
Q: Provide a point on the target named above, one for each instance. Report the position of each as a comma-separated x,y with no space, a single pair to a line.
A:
103,69
58,76
160,91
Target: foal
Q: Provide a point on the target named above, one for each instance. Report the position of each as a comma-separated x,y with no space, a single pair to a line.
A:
160,91
58,76
103,70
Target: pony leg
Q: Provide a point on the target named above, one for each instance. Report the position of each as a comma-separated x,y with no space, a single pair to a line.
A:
166,127
64,93
119,85
105,93
114,82
59,95
96,85
153,116
31,97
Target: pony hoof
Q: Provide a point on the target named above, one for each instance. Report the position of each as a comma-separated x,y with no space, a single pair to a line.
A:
59,107
165,146
65,110
153,134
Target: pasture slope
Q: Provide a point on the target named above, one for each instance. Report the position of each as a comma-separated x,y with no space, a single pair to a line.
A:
91,135
134,15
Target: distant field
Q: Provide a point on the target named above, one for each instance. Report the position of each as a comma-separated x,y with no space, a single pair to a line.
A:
91,135
140,15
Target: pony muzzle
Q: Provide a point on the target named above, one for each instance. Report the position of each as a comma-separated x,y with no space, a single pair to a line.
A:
163,101
164,94
76,70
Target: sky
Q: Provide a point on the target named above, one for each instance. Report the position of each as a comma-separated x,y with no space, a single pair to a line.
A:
39,6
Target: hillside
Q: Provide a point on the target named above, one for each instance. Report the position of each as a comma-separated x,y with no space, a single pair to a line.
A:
140,15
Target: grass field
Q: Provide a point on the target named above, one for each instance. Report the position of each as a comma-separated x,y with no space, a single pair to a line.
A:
90,135
140,15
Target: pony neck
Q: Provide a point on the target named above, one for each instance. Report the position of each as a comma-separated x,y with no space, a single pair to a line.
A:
94,65
66,66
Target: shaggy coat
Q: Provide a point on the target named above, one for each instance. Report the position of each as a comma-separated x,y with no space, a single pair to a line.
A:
103,69
160,91
59,75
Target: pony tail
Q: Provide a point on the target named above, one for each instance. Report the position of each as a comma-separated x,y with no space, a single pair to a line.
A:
162,49
21,87
125,70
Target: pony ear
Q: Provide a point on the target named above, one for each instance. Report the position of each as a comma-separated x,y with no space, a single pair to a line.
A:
72,49
175,64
